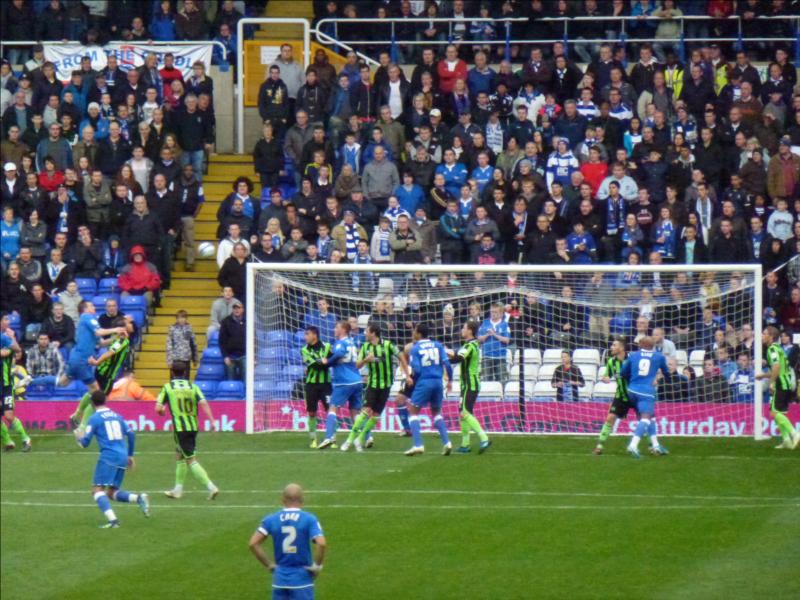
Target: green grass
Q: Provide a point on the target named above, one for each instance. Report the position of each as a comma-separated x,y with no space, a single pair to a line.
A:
532,518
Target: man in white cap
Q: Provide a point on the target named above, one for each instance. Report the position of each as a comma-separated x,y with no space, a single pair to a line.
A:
12,186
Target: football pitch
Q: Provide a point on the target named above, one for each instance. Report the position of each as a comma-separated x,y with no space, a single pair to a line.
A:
532,518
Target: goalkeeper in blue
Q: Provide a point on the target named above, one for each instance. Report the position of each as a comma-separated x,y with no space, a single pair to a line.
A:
116,441
429,363
293,531
640,371
345,379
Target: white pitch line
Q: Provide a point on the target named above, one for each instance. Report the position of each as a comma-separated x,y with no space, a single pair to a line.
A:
521,493
423,506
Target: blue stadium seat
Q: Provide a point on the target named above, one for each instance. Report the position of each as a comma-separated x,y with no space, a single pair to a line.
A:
621,324
75,389
211,355
139,317
129,303
208,387
279,390
230,389
274,355
295,357
213,338
108,285
86,286
39,391
295,372
300,338
210,372
101,298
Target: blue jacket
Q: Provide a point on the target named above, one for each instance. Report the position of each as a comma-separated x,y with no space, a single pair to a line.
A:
163,28
480,82
9,239
454,177
410,200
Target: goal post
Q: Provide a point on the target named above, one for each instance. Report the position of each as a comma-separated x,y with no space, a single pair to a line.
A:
542,369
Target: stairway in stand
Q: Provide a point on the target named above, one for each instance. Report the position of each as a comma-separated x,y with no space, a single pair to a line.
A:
192,291
303,9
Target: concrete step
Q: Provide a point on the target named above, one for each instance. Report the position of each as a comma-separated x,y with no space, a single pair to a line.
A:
201,265
163,326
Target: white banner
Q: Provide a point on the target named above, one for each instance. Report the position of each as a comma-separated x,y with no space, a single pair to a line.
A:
67,57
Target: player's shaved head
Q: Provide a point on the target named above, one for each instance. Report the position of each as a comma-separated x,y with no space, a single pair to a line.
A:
772,332
293,495
646,343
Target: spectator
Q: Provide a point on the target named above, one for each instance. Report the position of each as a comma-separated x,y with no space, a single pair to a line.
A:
232,342
140,277
783,173
567,379
712,384
59,327
181,343
220,308
233,270
380,178
291,73
190,22
348,233
195,134
44,362
69,300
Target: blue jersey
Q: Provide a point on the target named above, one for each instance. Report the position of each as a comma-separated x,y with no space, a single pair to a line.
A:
492,347
742,382
111,432
429,361
5,341
343,359
640,370
85,338
292,531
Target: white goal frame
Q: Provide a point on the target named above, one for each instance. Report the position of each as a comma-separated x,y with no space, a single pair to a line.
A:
754,270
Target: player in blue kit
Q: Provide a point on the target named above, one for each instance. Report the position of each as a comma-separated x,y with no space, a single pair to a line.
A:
429,362
640,370
345,379
87,336
293,530
116,456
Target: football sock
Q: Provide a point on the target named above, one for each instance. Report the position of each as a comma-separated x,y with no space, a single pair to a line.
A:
474,425
180,474
85,401
312,427
784,425
124,496
358,423
652,430
465,431
330,425
19,429
199,473
416,434
5,438
366,431
104,504
604,433
641,430
86,414
441,427
402,412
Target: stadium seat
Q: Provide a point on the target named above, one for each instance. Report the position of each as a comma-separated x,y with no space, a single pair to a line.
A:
543,392
130,303
139,317
211,355
532,356
210,372
108,285
589,371
230,389
682,358
300,338
601,372
102,297
511,356
585,392
546,372
513,372
552,355
696,359
511,390
621,324
295,372
279,391
604,391
86,286
74,389
208,387
586,356
491,389
213,338
273,355
39,391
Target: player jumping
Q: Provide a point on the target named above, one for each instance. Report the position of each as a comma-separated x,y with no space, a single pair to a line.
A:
378,354
429,362
782,385
345,378
184,398
318,378
293,530
107,367
469,358
619,407
116,457
640,370
8,348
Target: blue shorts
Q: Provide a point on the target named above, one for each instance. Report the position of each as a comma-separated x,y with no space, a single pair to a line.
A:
347,394
305,593
106,474
80,370
644,404
428,392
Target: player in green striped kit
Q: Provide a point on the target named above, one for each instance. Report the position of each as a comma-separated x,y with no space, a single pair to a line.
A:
782,386
619,407
318,378
378,354
469,357
107,367
8,348
183,398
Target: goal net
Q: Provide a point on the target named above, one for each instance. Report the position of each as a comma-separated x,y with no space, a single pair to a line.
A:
544,334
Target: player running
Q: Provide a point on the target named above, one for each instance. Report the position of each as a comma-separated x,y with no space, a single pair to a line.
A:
782,385
293,530
640,370
429,362
183,398
346,380
378,354
469,358
107,367
620,405
8,349
115,458
403,397
318,378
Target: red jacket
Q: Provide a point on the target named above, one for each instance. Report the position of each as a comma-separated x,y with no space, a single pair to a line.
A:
447,78
139,277
593,174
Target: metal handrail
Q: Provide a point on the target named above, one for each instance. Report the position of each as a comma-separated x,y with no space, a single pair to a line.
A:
343,46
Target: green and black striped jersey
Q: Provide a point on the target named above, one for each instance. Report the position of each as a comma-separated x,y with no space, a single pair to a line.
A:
470,358
183,398
315,372
379,373
614,372
110,368
776,355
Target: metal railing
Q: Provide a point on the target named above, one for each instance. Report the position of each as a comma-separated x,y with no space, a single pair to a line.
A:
332,40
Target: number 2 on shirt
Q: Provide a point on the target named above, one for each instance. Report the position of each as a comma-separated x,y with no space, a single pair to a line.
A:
290,534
